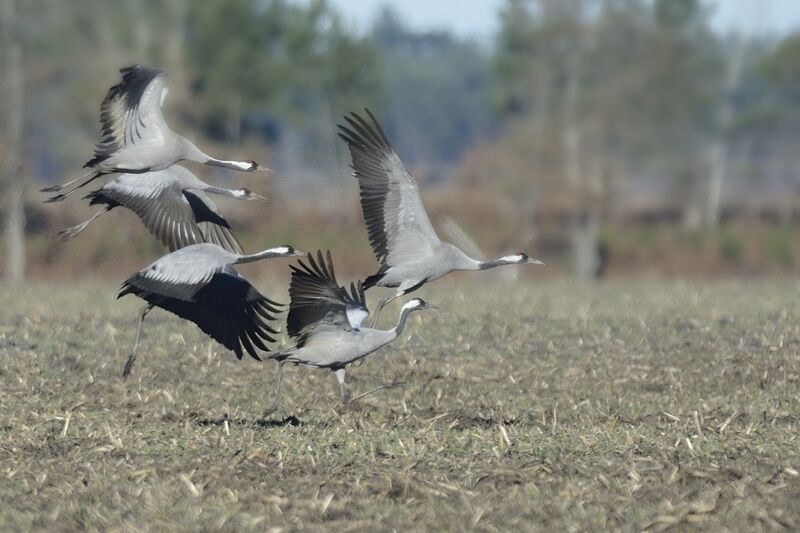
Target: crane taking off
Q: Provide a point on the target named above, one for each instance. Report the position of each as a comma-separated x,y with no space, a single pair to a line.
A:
407,247
325,319
198,283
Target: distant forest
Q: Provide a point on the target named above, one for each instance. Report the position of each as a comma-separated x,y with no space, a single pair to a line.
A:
576,110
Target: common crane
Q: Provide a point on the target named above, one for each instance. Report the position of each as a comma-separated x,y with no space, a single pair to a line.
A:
325,319
173,205
407,247
199,283
135,137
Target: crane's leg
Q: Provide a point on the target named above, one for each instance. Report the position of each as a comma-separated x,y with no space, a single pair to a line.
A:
72,232
382,304
277,391
132,358
63,196
376,389
54,188
340,378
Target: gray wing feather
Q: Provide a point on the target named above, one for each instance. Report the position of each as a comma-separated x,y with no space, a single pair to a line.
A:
131,112
398,225
199,284
317,300
160,204
215,228
182,273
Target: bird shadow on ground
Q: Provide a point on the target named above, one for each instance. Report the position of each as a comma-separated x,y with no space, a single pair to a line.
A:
290,420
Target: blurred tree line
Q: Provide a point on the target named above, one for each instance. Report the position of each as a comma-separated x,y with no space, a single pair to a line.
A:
574,105
600,98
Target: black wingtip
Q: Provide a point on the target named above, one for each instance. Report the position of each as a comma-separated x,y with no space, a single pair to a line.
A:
330,265
124,290
141,68
374,279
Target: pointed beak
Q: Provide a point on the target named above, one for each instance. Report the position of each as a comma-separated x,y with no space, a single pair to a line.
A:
532,261
260,168
298,253
435,307
254,196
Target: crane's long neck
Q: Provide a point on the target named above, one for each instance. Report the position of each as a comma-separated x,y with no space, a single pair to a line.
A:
193,153
458,260
401,323
486,265
278,251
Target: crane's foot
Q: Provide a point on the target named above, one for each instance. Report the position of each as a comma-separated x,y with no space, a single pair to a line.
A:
56,198
269,411
128,367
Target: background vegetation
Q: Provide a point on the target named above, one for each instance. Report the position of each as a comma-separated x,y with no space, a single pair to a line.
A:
580,129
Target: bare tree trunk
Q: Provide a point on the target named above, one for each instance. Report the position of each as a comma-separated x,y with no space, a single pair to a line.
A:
14,190
718,154
585,243
180,95
585,221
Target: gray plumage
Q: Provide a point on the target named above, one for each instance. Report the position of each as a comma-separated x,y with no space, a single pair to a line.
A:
199,283
172,204
325,320
135,138
407,248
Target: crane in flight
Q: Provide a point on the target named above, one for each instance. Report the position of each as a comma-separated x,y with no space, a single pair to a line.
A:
407,248
135,137
199,284
173,205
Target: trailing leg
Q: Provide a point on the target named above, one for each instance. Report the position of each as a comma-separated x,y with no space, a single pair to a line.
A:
132,358
63,196
340,378
383,304
376,389
71,232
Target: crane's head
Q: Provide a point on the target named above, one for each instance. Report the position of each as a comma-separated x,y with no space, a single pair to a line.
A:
255,167
520,258
247,194
418,304
285,251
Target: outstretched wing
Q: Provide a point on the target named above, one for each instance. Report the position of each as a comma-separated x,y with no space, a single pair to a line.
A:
318,302
196,284
214,226
131,112
177,217
398,225
179,274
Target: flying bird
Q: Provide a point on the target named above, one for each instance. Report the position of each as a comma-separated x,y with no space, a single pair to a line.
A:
199,283
173,205
407,247
135,137
325,320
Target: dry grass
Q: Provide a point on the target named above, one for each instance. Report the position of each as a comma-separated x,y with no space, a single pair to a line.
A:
630,406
